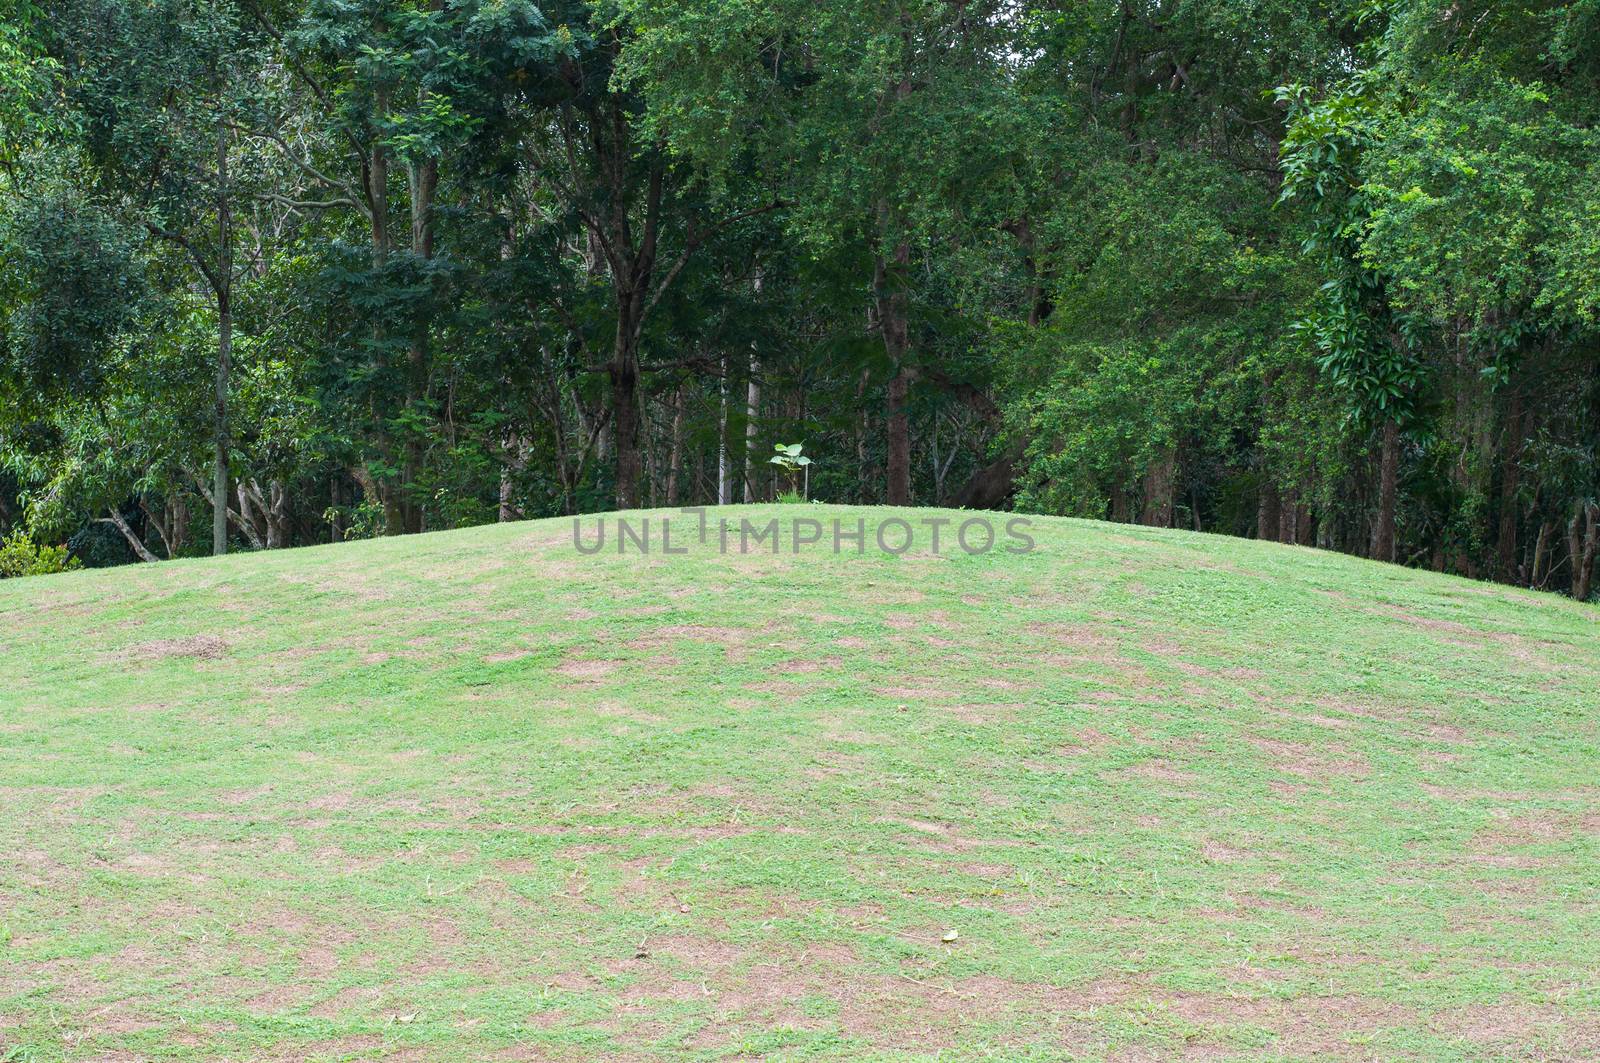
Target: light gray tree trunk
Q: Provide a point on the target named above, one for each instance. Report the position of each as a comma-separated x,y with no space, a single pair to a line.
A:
724,466
277,515
675,458
752,410
224,285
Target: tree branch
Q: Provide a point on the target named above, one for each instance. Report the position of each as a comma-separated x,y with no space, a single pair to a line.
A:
311,204
346,195
183,241
698,240
139,548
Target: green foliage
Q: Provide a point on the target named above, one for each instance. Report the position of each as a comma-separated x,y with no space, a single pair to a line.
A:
494,258
27,76
789,457
1365,347
21,556
791,461
73,282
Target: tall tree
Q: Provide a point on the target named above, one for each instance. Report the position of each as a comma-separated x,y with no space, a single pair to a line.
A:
166,154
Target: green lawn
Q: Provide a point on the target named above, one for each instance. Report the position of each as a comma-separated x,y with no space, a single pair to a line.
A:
475,796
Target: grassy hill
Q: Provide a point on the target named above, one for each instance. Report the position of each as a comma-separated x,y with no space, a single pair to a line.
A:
1133,795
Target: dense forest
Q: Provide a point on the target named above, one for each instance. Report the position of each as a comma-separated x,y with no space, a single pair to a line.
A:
1321,271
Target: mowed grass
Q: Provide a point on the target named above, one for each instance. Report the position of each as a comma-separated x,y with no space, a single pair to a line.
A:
473,795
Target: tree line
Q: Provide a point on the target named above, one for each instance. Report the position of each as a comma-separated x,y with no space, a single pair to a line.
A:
1320,272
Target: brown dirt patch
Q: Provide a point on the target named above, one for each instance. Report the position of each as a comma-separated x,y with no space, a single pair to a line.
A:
274,1000
988,871
1084,742
704,954
1518,1029
1077,636
994,682
502,656
749,990
1220,853
788,688
735,641
806,665
1158,770
894,596
1312,762
1201,671
983,714
721,636
1494,844
194,647
351,998
831,764
922,691
1302,1027
587,669
938,837
616,710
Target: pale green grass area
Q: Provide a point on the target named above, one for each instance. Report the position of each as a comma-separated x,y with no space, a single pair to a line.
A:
472,795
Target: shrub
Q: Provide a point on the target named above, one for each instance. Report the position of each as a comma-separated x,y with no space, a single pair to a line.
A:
21,556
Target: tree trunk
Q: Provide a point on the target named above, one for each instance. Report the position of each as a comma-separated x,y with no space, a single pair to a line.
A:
1119,503
377,175
139,548
1575,549
991,486
1383,537
898,453
650,457
632,269
1158,487
889,282
1289,517
252,513
697,481
1510,477
1039,305
387,493
675,456
752,410
277,515
506,513
1583,548
335,501
224,283
372,491
423,179
178,523
1305,530
624,373
153,521
1541,555
863,426
1269,510
724,466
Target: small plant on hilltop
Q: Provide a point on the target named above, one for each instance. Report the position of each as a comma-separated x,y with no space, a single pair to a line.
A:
791,461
